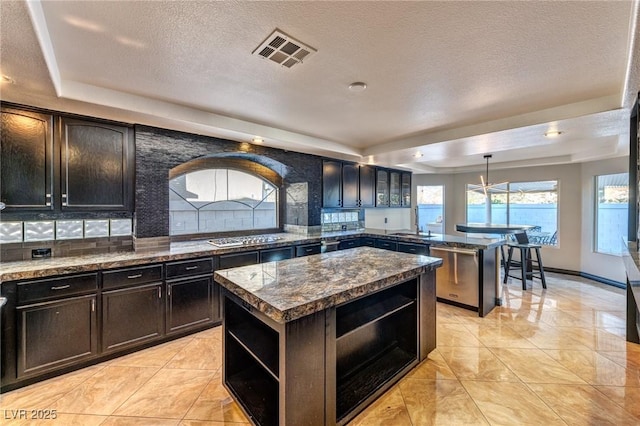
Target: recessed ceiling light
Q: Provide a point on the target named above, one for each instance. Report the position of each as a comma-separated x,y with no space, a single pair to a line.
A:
418,154
6,79
257,140
357,86
552,134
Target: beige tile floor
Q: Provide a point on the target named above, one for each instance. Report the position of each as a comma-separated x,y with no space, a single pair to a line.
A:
546,357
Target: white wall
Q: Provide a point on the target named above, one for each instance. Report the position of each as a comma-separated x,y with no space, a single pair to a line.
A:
397,218
575,210
602,265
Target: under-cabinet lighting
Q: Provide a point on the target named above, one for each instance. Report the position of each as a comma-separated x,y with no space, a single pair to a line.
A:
257,140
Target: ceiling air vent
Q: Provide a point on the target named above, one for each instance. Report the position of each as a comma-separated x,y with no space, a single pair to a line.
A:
283,50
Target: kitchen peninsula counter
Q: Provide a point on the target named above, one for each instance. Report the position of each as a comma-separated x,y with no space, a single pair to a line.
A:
314,340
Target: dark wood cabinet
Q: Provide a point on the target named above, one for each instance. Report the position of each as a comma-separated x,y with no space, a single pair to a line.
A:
26,160
350,185
367,186
192,303
331,184
56,334
382,188
96,165
132,316
405,189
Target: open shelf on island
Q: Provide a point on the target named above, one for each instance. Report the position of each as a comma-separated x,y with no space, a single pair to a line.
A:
260,340
254,388
377,338
353,389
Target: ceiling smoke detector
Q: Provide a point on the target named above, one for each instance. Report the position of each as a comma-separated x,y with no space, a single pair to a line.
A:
283,49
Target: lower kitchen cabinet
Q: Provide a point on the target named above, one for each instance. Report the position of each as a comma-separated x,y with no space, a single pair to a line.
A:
386,244
131,316
56,334
308,249
191,303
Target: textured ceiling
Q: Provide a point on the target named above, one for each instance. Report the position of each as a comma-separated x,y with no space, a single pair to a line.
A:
452,80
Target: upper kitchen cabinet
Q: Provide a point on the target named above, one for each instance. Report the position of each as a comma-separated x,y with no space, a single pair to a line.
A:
405,182
367,186
26,160
394,189
97,165
347,185
331,183
382,188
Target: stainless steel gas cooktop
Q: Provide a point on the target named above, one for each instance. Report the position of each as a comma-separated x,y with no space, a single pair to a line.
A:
243,241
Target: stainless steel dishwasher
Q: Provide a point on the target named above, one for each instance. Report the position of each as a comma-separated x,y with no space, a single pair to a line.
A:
457,278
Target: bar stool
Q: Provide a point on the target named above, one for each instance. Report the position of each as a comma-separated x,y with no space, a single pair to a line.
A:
526,261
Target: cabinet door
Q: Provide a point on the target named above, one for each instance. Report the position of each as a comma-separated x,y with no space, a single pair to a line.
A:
382,188
56,334
394,189
367,186
331,183
97,166
131,316
26,160
350,184
192,302
406,189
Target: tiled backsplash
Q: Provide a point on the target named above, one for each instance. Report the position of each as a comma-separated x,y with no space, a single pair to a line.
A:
18,232
341,220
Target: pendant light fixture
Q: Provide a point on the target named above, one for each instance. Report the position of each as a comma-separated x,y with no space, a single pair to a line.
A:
486,185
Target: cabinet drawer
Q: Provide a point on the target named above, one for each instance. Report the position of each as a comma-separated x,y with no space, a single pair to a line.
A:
56,288
273,255
387,245
367,242
190,267
130,276
308,250
347,244
238,259
413,248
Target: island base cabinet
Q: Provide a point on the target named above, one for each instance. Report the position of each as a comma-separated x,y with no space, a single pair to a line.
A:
326,367
275,371
56,334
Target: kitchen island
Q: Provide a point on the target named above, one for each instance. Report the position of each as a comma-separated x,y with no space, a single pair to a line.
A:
314,340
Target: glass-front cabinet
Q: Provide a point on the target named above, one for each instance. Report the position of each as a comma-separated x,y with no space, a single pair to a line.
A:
382,188
394,189
406,189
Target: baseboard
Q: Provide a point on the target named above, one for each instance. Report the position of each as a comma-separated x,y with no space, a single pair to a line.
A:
588,276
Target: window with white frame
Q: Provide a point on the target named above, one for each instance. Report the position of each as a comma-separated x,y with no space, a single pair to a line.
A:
431,208
221,200
612,207
517,203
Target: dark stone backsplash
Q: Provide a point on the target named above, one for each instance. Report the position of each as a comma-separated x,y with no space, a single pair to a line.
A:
160,150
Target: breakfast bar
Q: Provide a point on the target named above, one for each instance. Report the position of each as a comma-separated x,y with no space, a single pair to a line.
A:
314,340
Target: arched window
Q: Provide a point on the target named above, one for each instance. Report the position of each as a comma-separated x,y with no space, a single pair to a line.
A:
221,200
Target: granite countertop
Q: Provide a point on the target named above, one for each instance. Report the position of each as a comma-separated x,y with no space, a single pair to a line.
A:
290,289
438,240
40,268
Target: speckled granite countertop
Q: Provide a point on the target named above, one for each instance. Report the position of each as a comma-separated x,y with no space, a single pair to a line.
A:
30,269
290,289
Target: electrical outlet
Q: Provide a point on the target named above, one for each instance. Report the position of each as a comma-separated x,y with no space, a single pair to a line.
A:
385,220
